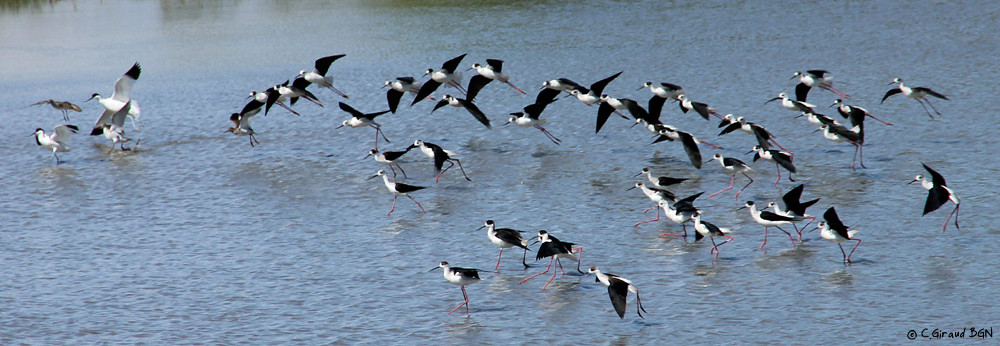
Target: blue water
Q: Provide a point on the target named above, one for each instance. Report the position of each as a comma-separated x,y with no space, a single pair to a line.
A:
196,237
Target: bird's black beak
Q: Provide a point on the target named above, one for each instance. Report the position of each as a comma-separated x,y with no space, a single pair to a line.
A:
373,177
631,188
750,152
768,101
818,130
814,229
366,156
432,269
637,174
481,227
642,87
912,181
743,207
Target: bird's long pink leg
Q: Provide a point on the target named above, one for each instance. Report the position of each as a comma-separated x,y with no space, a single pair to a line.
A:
955,213
515,87
835,91
418,204
745,186
393,206
648,221
465,303
789,236
463,169
925,109
709,144
731,181
765,239
498,259
852,250
543,272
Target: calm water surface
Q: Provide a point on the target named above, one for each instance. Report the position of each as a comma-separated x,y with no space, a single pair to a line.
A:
198,238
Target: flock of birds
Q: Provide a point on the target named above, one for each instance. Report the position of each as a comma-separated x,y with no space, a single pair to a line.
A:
791,211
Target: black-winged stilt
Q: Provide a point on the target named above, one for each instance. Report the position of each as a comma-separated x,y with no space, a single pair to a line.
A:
793,105
297,90
486,74
855,136
555,249
592,95
440,156
121,95
529,116
699,107
690,142
732,123
613,105
660,181
855,113
705,229
656,195
680,212
398,87
57,141
449,100
780,159
733,166
834,230
916,93
794,208
661,93
359,119
769,219
448,75
389,158
618,289
318,74
62,106
814,78
938,193
461,277
505,238
398,189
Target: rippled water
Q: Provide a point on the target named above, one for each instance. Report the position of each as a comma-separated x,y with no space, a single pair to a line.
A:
198,238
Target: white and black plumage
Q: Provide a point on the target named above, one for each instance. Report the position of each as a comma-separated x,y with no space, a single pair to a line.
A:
701,108
271,97
448,75
505,238
440,156
733,166
656,195
917,93
389,158
618,289
121,95
398,87
705,229
486,74
660,181
592,95
769,219
690,142
62,106
814,79
359,119
854,113
461,277
319,75
680,212
297,90
794,208
555,249
793,105
764,137
398,189
57,141
855,136
613,105
780,159
938,193
115,131
529,116
661,93
449,100
241,126
834,230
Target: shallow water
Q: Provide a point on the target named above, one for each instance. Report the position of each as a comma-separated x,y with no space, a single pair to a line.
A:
196,237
